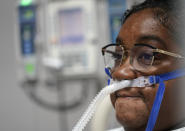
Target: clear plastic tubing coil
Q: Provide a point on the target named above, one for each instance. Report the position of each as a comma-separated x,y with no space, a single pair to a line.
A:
114,86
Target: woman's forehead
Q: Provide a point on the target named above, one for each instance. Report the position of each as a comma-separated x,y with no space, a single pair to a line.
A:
143,24
140,22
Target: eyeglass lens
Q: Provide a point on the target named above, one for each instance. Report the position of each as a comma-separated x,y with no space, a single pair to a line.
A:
141,57
113,56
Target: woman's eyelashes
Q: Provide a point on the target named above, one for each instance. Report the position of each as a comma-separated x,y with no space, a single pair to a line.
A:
117,57
145,58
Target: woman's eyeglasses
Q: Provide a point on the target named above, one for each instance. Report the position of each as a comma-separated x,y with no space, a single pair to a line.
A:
143,57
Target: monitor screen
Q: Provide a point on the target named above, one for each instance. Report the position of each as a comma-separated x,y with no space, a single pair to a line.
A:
71,26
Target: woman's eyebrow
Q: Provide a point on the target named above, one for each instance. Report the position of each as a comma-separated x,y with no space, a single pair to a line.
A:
152,37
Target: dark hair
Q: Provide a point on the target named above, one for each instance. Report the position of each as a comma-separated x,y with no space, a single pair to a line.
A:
168,12
164,10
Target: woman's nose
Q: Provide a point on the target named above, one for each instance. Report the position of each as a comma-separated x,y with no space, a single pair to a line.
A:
124,71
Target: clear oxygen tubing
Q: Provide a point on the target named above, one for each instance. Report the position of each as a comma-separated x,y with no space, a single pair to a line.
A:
114,86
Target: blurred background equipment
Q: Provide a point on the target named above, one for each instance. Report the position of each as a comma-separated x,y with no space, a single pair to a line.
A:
55,45
116,9
58,55
27,27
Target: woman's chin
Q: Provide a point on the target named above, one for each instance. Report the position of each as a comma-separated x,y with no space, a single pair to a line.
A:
131,112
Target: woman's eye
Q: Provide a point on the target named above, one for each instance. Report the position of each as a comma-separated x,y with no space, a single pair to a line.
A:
145,58
116,56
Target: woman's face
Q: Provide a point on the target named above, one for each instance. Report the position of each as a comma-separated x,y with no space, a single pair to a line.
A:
133,105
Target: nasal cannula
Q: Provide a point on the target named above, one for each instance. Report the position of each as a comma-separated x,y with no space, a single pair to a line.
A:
114,86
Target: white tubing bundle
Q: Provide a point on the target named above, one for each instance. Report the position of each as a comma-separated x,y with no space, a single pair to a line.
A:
138,82
96,101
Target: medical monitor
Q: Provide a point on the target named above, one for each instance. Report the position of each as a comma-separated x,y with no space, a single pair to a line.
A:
70,26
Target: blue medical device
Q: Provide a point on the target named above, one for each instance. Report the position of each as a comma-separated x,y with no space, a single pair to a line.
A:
27,22
27,31
116,10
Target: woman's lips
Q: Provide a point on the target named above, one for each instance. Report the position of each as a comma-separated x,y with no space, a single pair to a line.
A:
127,94
124,96
131,92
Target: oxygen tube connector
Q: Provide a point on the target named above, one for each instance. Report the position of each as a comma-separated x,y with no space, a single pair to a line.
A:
114,86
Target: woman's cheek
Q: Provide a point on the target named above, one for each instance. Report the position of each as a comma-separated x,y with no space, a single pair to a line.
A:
149,96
